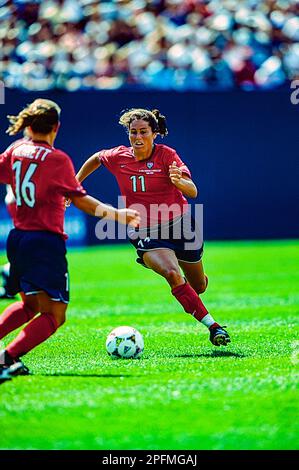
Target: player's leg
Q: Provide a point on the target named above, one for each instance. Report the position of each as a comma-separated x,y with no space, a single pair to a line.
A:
36,332
37,273
18,313
39,329
195,275
12,318
164,262
190,261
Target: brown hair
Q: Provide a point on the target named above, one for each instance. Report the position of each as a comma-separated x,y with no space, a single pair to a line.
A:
156,120
41,115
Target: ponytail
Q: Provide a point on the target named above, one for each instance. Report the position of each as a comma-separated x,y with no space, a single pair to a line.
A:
161,120
41,115
156,120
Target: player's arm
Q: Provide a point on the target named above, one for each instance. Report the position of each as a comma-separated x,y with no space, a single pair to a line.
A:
182,181
89,166
5,169
92,206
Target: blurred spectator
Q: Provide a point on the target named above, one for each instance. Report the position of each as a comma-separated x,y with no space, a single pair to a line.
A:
159,44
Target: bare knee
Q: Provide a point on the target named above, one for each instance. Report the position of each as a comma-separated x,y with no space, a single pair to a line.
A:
59,319
30,309
57,310
30,302
60,322
173,277
200,288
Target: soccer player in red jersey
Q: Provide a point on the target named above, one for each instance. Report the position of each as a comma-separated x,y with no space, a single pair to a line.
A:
4,270
153,178
41,177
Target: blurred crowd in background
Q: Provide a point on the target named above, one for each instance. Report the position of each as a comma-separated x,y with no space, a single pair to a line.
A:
155,44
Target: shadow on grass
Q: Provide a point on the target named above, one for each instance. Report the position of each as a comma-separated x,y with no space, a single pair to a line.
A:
81,376
68,374
214,354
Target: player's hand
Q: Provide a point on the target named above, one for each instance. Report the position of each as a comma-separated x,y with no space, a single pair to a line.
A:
67,202
128,216
175,173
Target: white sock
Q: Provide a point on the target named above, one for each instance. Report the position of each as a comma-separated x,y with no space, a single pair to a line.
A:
2,357
207,320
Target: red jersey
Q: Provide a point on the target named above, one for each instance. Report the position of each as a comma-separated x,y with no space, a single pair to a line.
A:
41,177
146,185
10,202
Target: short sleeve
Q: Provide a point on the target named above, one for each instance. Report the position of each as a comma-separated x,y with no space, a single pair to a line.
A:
5,168
172,156
109,158
66,182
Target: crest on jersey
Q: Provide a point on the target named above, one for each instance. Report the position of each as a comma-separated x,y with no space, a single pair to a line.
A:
150,165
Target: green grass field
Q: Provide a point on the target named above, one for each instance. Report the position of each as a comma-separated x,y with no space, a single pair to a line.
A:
183,393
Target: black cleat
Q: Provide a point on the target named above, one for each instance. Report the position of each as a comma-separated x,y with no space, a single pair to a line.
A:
11,368
4,375
18,368
219,336
9,372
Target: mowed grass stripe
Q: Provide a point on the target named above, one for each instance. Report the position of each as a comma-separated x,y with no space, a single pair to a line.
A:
183,393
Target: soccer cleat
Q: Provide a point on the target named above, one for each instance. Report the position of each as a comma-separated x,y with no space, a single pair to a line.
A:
11,368
9,372
219,336
18,368
4,375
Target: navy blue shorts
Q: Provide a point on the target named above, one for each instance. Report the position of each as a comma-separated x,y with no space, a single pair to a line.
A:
37,263
182,235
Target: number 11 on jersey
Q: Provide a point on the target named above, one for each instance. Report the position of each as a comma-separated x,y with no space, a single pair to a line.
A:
135,180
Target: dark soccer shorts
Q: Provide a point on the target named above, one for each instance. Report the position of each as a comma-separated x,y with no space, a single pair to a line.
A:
37,263
182,235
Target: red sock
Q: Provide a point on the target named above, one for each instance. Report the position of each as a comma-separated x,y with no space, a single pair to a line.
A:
38,330
14,316
190,301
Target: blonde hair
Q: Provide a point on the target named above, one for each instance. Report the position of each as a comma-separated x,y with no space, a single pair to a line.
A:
41,115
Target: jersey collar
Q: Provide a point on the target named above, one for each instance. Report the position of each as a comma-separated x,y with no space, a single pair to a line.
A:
146,159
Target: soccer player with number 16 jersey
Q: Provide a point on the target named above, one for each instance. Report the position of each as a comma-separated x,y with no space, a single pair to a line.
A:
41,178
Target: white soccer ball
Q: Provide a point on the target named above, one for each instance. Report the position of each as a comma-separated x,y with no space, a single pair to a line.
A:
124,342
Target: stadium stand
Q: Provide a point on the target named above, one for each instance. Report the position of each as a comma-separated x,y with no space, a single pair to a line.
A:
158,44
